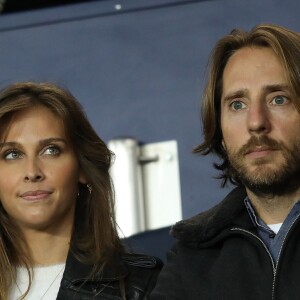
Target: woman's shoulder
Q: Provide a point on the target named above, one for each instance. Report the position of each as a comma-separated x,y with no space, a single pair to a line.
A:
130,274
143,271
141,261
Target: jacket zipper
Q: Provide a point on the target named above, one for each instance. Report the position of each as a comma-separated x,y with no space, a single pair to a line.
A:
267,250
279,255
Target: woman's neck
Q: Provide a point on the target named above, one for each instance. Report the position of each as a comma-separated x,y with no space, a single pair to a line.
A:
47,248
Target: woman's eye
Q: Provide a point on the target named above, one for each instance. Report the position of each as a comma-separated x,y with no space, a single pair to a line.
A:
279,100
237,105
52,150
12,155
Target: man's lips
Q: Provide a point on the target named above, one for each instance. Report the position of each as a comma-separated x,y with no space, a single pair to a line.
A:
35,195
260,151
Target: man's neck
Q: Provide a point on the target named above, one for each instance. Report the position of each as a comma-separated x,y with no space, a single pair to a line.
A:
273,209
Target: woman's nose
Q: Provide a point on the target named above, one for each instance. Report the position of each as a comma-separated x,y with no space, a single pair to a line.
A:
33,171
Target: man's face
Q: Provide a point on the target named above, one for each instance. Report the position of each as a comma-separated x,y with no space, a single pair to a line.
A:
260,124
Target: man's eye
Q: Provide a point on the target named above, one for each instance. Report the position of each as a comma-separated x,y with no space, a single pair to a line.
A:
279,100
52,150
12,155
237,105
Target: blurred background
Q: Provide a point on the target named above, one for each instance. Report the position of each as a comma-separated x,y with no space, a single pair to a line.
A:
138,68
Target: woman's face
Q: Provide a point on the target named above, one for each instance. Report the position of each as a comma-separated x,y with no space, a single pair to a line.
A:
39,172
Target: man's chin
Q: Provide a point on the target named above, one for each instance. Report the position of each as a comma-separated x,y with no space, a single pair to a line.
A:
270,182
260,188
260,174
275,174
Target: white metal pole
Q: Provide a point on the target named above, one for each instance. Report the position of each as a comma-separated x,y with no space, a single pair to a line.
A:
127,180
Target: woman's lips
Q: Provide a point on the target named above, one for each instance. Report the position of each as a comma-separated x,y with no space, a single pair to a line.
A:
35,195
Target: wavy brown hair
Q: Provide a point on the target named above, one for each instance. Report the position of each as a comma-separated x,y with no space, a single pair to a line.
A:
286,45
94,239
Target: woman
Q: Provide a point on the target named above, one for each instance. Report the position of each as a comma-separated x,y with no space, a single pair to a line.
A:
58,237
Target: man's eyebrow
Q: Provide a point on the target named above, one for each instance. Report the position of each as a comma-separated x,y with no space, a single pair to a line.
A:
43,142
270,88
275,88
236,94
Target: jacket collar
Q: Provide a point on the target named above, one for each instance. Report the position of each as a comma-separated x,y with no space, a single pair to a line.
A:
77,271
208,225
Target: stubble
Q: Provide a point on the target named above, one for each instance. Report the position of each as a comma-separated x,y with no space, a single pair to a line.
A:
267,176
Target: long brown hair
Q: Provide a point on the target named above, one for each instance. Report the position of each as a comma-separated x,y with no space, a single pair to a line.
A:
285,44
94,239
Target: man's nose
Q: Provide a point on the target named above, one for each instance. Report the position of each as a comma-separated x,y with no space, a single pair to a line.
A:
258,120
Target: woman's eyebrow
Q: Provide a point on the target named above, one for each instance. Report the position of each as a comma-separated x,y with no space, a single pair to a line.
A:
52,140
14,144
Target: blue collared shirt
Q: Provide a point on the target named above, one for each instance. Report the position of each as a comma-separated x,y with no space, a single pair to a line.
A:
273,241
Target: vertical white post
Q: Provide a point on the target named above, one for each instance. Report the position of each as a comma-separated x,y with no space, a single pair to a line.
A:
161,184
127,179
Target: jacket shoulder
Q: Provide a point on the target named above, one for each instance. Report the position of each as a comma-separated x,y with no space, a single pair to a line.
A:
130,275
206,225
143,271
141,261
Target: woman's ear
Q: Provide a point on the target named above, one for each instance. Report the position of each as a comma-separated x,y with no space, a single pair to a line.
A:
223,144
82,178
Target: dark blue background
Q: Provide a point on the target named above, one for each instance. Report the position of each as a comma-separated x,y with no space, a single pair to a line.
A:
138,71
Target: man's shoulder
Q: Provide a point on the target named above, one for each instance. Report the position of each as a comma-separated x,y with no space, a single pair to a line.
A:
206,225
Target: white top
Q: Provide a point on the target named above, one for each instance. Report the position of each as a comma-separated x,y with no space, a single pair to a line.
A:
44,286
275,227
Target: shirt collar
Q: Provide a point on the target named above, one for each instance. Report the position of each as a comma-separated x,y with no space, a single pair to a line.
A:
254,218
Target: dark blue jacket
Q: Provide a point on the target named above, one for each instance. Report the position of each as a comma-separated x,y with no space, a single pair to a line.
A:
219,256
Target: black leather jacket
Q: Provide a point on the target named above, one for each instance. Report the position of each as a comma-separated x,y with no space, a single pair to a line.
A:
134,273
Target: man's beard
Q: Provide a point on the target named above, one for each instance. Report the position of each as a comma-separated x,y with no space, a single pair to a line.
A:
267,179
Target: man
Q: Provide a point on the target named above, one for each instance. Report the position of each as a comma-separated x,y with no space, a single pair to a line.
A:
248,246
